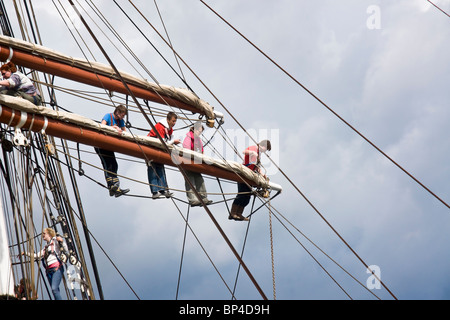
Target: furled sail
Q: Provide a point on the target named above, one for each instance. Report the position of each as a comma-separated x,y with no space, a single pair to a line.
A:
43,59
20,113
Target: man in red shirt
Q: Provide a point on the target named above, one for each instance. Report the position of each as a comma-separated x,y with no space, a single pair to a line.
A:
155,171
252,159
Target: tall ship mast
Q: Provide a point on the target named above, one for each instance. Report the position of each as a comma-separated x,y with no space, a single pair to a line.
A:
229,221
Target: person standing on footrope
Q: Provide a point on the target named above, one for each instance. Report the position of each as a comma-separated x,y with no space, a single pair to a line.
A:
155,171
108,157
193,141
252,160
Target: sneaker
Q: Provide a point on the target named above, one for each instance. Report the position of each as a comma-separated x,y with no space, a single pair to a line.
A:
195,204
113,190
168,194
156,195
120,192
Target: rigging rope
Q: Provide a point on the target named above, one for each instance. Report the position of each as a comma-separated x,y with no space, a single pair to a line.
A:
271,252
271,241
168,151
439,8
326,106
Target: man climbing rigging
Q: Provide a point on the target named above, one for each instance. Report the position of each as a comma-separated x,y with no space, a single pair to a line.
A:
108,157
252,160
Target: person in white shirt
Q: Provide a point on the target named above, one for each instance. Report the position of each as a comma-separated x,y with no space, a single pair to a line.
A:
17,84
54,267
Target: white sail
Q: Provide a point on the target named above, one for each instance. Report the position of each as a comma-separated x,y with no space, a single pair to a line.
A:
6,277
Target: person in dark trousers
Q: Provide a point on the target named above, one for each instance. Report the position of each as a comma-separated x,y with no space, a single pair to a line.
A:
252,159
108,157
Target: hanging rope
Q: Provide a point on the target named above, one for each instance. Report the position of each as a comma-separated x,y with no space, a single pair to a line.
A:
271,252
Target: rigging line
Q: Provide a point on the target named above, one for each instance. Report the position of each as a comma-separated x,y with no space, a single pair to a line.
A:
19,14
314,258
326,106
181,60
82,39
102,18
202,247
182,79
90,96
130,51
14,203
74,7
80,219
182,253
320,265
198,78
64,194
290,181
439,8
168,38
271,252
109,258
70,30
100,246
243,248
116,34
265,203
317,247
148,40
63,207
168,151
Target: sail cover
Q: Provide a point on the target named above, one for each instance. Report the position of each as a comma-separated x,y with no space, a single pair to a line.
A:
10,45
24,110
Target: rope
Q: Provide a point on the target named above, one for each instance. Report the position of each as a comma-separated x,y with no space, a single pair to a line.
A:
326,106
439,8
271,252
182,253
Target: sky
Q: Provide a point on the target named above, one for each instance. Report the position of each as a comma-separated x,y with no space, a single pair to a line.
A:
382,66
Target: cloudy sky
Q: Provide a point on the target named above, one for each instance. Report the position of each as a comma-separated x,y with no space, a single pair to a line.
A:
382,66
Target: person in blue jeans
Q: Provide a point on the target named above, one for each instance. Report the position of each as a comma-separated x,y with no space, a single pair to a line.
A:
54,267
155,171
